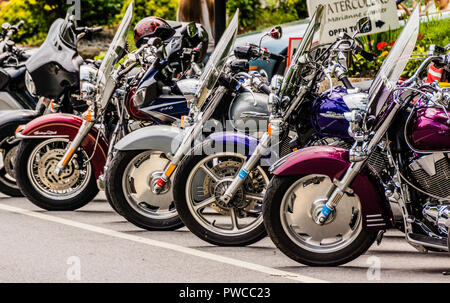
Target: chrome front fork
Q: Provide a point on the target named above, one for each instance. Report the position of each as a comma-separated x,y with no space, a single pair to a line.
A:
260,150
186,144
342,187
181,151
82,133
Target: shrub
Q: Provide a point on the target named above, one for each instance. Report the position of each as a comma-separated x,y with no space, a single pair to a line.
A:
166,9
39,15
250,13
433,32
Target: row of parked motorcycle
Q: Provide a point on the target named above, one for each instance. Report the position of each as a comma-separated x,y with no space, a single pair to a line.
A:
226,151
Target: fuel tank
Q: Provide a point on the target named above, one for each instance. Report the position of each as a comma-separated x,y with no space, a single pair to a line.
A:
428,130
249,113
163,104
327,111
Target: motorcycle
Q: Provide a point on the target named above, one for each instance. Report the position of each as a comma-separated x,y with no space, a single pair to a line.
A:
13,96
141,159
25,96
112,110
43,144
326,206
299,117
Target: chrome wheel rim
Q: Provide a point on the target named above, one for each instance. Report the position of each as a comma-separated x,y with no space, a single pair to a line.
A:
8,177
300,205
137,181
209,179
74,177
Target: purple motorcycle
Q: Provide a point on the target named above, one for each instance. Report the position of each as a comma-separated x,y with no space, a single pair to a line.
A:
326,205
221,183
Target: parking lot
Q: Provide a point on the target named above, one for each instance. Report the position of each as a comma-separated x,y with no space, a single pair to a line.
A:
94,244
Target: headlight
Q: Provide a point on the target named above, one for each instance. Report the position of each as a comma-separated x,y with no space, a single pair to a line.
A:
29,83
87,90
139,97
88,74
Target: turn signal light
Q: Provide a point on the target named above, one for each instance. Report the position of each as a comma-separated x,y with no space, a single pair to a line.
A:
89,115
19,128
269,129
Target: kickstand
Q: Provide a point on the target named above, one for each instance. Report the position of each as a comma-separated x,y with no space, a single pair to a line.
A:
380,236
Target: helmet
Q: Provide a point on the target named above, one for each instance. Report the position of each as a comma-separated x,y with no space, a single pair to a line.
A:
152,27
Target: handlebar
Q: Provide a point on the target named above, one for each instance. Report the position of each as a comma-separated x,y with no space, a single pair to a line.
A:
16,27
88,30
366,55
252,51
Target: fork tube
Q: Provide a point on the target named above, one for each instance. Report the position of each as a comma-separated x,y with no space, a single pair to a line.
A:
82,132
248,166
341,187
262,148
186,144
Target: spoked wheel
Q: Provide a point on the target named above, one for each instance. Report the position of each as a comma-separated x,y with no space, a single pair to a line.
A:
36,161
200,181
8,184
129,183
291,206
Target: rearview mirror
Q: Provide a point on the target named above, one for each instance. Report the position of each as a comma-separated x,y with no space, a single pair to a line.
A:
6,26
364,25
192,29
276,32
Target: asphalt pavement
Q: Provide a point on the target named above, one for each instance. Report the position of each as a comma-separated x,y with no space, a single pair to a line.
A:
94,244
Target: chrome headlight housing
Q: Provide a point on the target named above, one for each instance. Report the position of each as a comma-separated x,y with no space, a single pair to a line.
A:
29,83
88,73
139,97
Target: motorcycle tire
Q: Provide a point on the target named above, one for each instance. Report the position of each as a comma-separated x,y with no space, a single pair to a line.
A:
80,199
118,200
276,190
8,185
182,174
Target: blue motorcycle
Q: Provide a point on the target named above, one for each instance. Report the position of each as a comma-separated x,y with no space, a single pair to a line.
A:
220,184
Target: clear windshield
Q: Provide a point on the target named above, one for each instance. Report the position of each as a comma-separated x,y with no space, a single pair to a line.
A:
115,52
217,61
393,66
310,39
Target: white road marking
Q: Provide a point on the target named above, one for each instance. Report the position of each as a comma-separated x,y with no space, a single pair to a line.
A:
156,243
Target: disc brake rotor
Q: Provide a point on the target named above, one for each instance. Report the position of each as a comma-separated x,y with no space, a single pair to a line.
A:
9,160
46,171
254,184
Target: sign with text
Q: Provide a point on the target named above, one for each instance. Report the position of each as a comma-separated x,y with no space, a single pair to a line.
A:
342,16
294,43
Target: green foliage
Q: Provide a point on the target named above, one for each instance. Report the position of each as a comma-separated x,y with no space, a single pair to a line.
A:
250,13
39,15
433,32
253,16
166,9
278,12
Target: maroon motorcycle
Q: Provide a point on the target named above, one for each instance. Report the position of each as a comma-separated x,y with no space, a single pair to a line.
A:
326,205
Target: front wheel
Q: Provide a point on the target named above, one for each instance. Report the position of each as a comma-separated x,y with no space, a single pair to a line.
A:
201,179
8,184
35,164
129,181
291,205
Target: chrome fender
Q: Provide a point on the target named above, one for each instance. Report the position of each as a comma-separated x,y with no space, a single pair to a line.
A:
163,138
333,162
